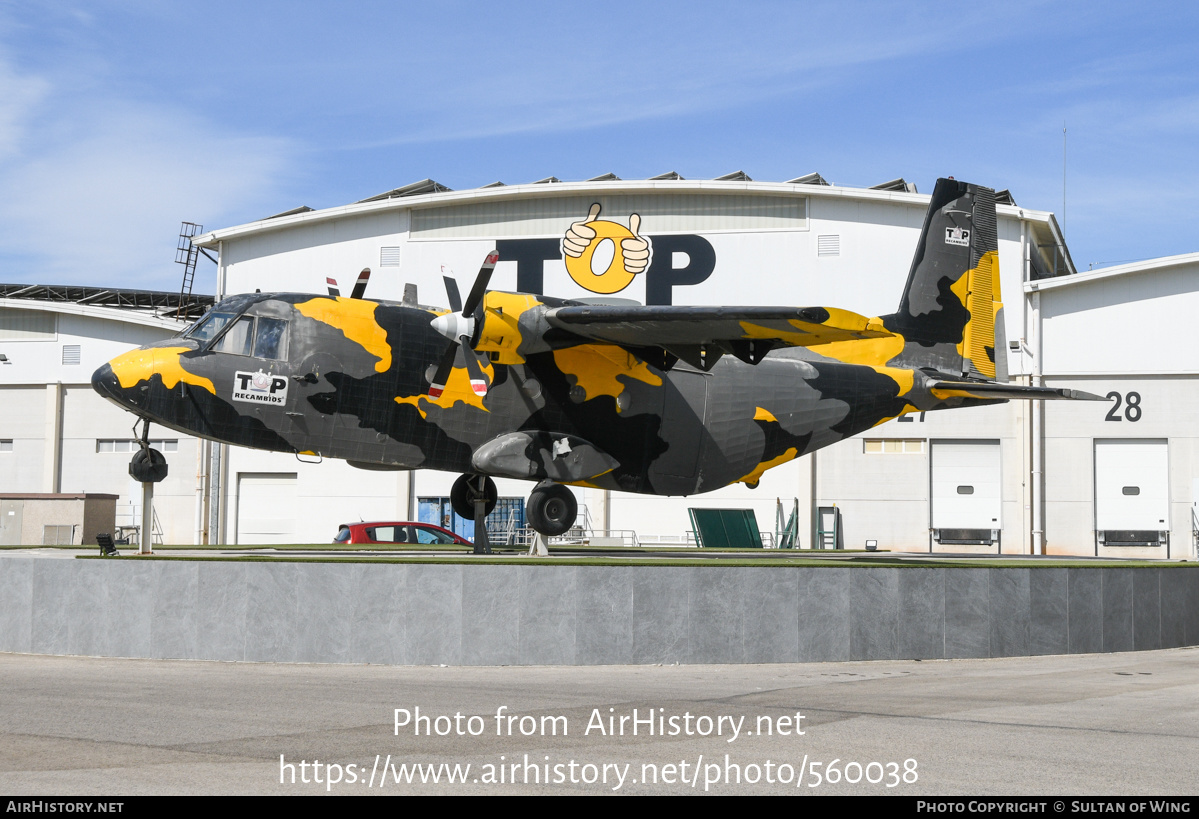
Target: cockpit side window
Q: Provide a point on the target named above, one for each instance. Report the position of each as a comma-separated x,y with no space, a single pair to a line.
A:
237,338
270,340
207,328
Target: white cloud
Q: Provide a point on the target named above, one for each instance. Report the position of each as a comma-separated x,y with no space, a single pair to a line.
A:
19,96
93,191
607,70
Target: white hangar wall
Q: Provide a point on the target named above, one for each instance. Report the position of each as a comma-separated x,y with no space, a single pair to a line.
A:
58,436
1128,333
1137,318
771,258
773,244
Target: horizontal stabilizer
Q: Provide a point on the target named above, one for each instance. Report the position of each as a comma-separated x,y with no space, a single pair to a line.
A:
993,391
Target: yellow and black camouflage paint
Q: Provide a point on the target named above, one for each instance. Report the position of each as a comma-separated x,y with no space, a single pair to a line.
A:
667,400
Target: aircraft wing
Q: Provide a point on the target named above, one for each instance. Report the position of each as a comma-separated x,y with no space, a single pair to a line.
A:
729,329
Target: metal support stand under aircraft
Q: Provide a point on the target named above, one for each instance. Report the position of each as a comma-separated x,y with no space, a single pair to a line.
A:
482,542
147,466
474,497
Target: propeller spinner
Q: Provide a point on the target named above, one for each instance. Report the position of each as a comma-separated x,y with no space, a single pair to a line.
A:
459,327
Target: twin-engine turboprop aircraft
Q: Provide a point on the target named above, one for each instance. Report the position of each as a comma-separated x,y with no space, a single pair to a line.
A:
657,400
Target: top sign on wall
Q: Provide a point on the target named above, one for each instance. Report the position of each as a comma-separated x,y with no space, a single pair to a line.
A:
605,257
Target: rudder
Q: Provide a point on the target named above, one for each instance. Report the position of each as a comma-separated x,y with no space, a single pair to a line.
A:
951,313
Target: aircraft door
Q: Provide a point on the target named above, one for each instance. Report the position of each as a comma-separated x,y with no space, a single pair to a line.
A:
313,414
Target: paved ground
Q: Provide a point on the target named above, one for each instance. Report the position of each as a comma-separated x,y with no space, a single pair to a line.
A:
1112,724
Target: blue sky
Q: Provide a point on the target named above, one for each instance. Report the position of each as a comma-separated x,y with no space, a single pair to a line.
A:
119,120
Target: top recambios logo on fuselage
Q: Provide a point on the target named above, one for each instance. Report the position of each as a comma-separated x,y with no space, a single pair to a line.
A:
259,388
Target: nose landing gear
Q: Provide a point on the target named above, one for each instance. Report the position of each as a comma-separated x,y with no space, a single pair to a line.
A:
148,466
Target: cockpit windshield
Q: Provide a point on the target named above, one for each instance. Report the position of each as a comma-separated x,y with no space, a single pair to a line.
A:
207,328
260,336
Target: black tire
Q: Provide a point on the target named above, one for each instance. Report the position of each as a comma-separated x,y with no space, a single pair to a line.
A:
148,466
551,509
463,494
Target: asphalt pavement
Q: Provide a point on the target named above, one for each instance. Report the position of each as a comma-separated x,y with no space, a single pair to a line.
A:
1101,724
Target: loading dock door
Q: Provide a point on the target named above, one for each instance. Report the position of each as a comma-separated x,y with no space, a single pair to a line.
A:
966,496
1132,492
266,509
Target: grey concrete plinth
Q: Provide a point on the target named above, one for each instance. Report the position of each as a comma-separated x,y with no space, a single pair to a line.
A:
484,614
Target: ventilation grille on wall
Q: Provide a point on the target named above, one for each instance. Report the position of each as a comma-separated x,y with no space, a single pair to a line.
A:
58,535
389,257
70,354
828,245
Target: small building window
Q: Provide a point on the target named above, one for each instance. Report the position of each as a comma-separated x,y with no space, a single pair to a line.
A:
128,445
5,444
884,446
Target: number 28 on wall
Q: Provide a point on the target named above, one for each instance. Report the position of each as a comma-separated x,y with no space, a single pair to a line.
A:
1132,407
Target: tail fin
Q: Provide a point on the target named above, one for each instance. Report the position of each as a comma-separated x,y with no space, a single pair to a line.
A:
951,314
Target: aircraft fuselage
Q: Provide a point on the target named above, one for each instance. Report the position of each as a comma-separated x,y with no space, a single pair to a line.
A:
349,379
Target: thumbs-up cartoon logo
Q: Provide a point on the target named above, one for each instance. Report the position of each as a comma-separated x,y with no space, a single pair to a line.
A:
603,256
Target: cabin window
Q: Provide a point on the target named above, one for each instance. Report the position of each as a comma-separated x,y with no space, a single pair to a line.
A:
237,338
270,339
207,328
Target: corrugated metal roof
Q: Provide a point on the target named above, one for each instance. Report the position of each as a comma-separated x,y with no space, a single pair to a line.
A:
810,179
899,184
156,300
411,189
1112,272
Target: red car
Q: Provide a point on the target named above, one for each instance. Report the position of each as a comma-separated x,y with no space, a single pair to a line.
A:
398,532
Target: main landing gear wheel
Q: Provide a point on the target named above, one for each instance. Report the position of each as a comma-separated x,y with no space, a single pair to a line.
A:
473,497
551,509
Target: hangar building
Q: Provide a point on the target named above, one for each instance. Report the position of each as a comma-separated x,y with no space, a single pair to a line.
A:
1117,478
56,438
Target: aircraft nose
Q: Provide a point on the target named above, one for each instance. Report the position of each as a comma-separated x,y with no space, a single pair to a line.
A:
106,382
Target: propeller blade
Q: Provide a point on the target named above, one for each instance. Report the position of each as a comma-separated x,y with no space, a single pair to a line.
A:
451,325
480,287
444,368
331,283
478,378
360,285
451,291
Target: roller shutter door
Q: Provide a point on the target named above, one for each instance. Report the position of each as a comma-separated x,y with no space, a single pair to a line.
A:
266,508
1132,491
966,490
